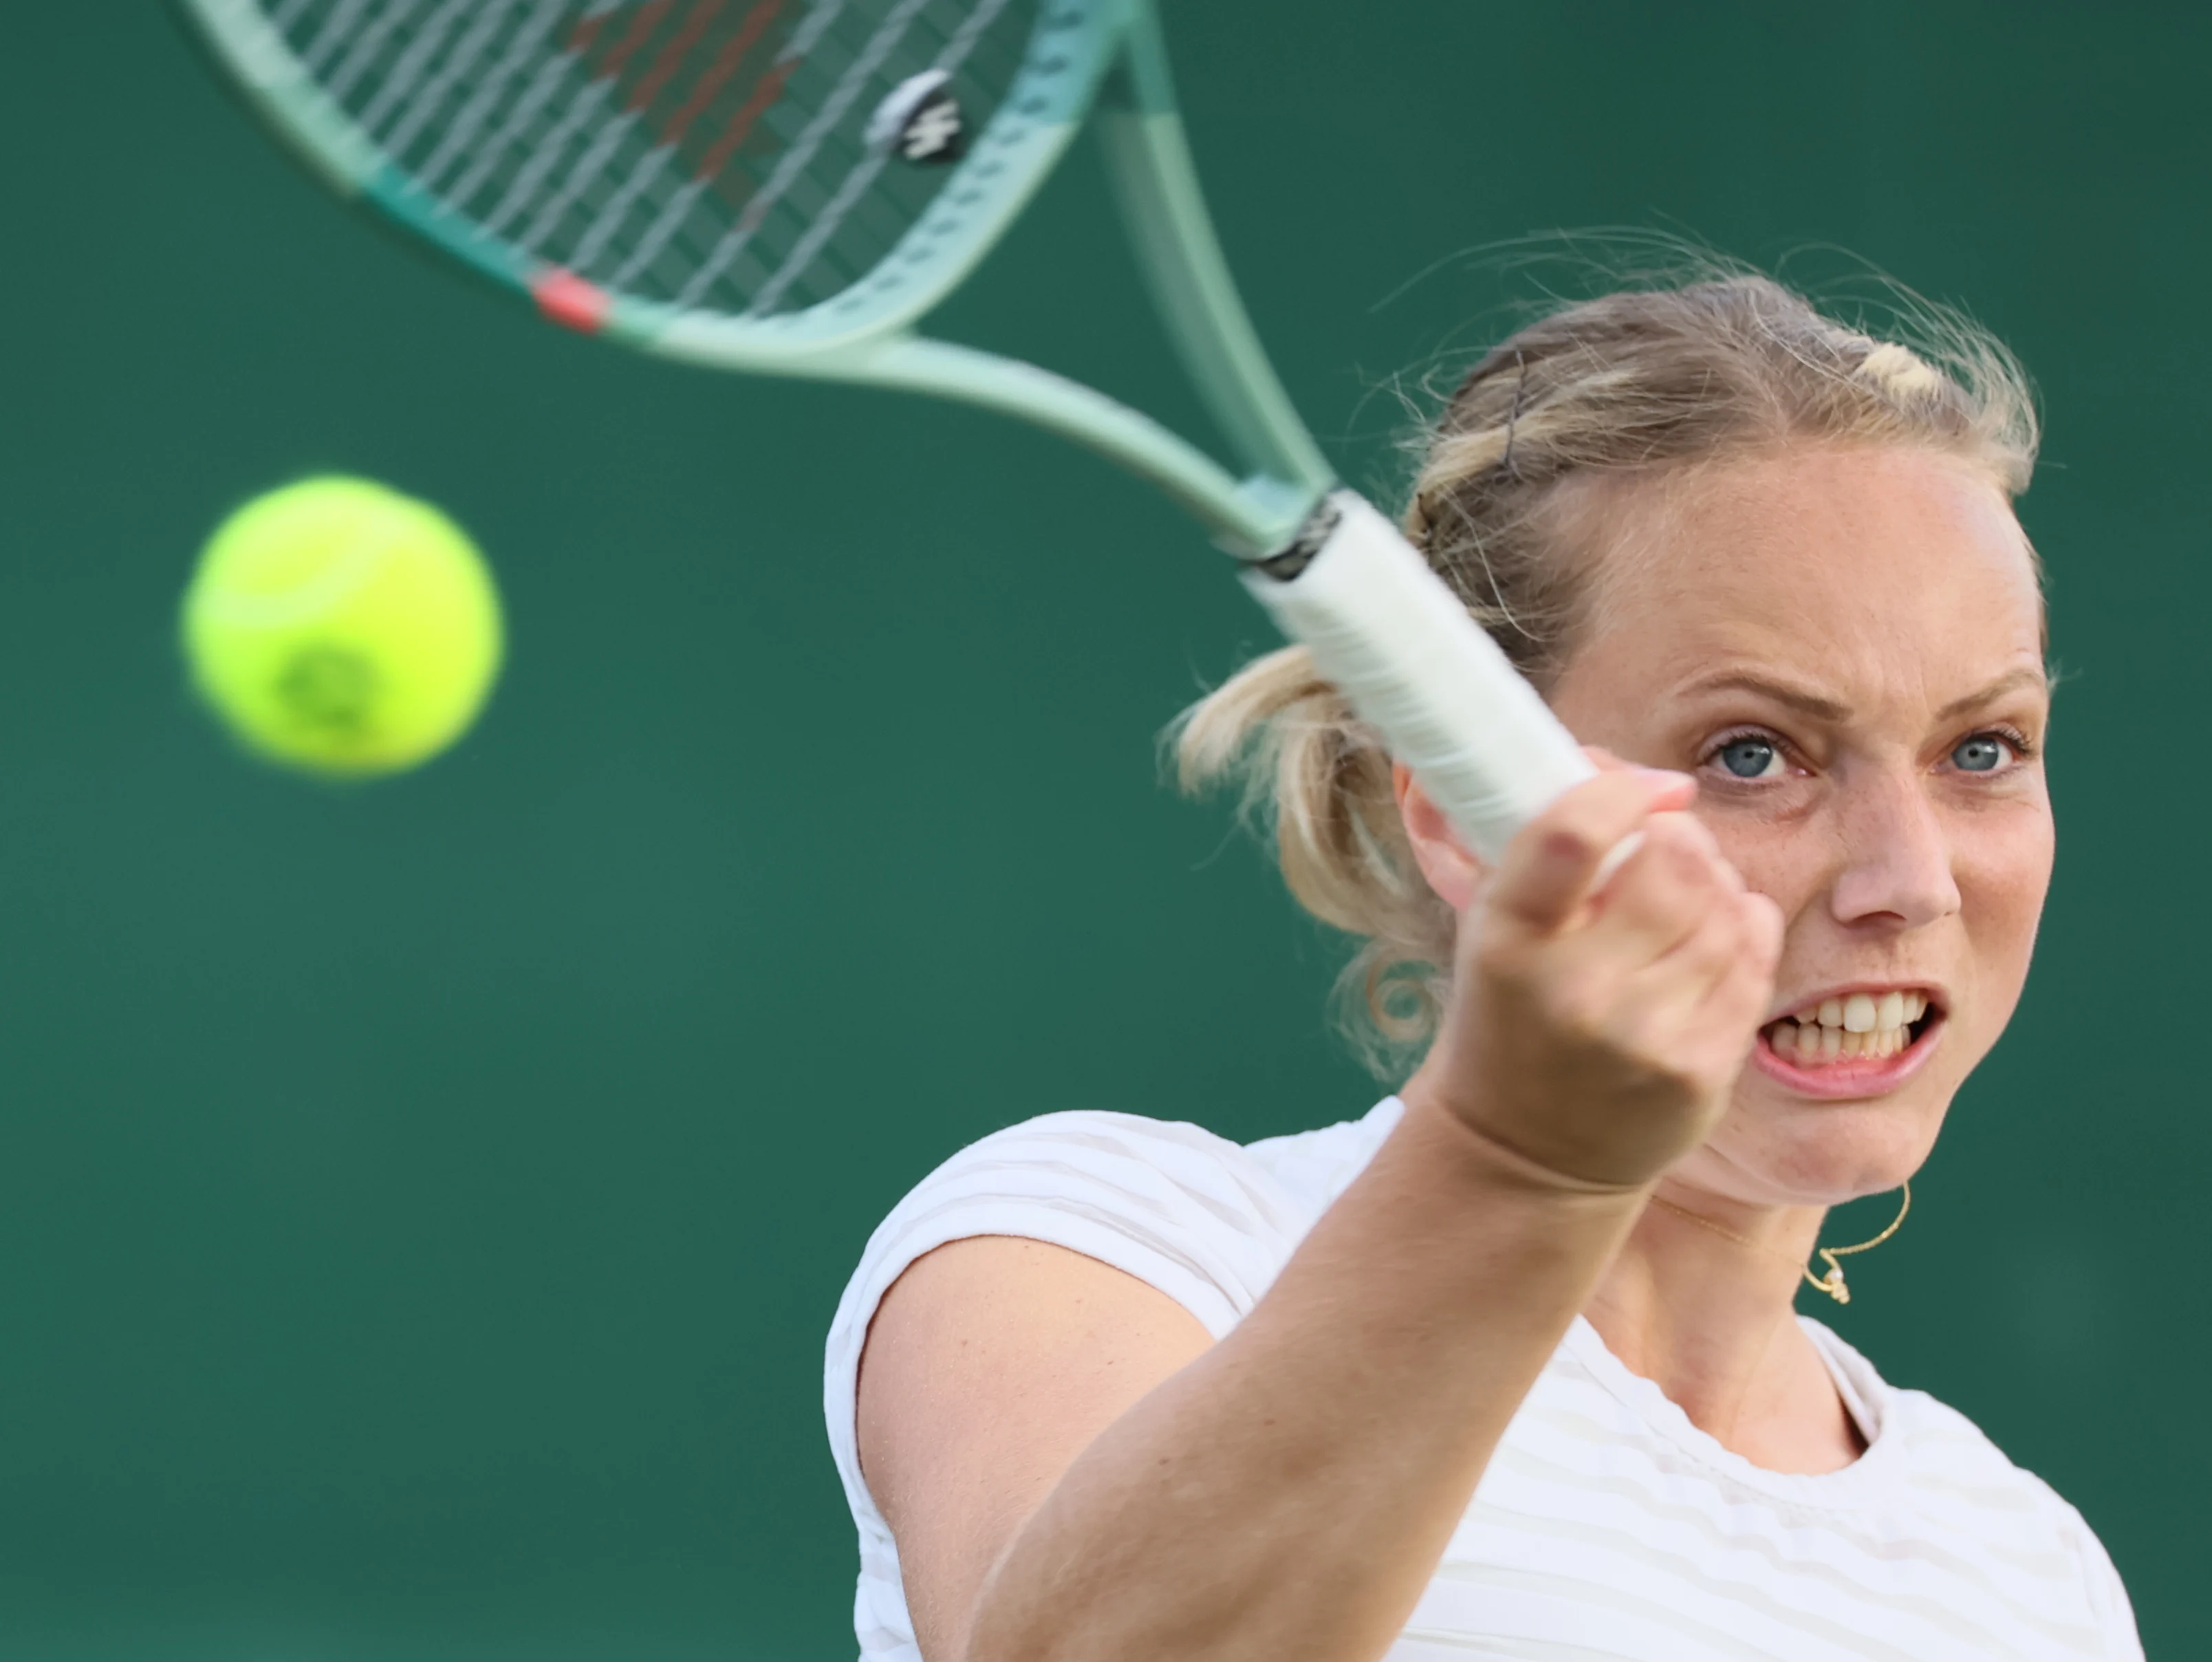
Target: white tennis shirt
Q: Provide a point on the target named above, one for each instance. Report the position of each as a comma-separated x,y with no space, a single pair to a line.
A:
1608,1525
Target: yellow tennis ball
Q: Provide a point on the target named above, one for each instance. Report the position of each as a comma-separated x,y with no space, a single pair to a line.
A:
341,627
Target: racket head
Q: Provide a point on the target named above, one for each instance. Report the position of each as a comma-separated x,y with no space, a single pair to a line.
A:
769,181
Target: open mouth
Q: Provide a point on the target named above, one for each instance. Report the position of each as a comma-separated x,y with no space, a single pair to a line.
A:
1857,1028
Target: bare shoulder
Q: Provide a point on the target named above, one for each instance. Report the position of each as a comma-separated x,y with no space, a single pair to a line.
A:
991,1364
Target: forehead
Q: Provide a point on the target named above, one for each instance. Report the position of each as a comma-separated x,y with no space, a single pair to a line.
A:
1882,572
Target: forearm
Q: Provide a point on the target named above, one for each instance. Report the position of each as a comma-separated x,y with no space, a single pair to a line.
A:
1288,1494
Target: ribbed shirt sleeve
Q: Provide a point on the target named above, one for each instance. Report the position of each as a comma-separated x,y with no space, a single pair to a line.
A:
1180,1208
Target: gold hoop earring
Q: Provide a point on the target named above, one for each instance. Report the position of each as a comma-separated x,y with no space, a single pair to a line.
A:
1832,1282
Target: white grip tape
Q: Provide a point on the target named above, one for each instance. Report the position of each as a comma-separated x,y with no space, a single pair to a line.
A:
1404,652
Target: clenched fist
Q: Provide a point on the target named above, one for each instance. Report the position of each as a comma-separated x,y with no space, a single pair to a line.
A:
1598,1018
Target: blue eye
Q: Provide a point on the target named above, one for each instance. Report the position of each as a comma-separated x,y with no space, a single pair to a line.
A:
1983,753
1751,757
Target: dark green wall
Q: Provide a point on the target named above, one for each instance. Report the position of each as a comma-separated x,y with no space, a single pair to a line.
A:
420,1205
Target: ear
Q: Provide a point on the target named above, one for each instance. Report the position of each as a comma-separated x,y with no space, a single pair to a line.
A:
1453,873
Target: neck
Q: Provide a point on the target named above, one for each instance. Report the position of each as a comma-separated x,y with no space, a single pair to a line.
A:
1712,1322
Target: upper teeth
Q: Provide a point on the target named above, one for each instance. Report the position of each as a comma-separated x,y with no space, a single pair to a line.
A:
1861,1024
1862,1013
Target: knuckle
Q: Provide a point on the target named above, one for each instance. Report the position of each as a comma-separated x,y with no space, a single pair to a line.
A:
1759,922
1655,899
1717,942
1565,843
1690,843
1688,852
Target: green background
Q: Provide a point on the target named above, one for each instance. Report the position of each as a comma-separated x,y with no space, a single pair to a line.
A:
421,1205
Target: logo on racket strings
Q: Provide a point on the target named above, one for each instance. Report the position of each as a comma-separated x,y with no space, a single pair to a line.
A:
920,121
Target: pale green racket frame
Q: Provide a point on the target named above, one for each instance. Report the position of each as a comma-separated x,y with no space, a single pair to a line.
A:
1104,51
1334,574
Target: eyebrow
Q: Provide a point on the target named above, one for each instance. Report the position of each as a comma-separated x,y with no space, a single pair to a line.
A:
2011,681
1781,693
1821,709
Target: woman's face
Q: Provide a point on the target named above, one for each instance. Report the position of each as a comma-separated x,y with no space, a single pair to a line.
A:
1844,647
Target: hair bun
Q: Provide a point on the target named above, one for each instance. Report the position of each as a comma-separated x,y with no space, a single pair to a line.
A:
1900,371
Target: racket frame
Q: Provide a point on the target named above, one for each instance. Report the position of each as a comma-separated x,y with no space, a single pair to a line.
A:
1333,572
1107,52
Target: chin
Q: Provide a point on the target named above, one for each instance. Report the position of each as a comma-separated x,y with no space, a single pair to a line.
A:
1778,1149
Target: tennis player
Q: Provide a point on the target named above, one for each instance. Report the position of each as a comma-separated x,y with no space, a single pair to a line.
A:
1510,1366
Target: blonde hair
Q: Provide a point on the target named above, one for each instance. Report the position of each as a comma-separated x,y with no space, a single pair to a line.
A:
1626,388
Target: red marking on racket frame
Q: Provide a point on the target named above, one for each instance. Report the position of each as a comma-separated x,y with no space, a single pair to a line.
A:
650,83
768,89
570,301
731,53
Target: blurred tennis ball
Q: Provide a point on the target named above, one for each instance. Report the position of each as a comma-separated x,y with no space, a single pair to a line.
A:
338,626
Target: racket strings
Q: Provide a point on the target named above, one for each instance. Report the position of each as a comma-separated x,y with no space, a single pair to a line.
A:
836,213
704,152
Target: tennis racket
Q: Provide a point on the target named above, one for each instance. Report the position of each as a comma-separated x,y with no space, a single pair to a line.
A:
787,187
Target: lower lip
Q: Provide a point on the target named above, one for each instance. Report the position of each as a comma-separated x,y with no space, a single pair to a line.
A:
1847,1078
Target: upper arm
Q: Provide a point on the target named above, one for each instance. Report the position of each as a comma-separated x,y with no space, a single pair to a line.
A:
991,1364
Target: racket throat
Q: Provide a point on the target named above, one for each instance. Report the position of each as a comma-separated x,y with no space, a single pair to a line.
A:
1412,662
1288,563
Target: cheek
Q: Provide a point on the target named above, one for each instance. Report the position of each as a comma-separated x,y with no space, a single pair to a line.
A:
2003,882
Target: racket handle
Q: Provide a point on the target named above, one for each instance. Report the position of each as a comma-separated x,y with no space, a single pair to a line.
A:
1402,649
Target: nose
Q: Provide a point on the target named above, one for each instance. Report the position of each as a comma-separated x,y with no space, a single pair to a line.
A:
1897,855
